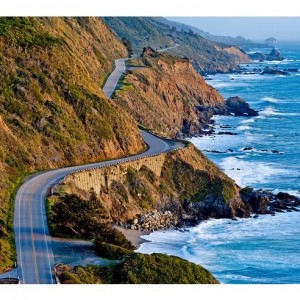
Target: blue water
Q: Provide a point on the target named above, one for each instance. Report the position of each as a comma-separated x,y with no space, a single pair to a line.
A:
267,249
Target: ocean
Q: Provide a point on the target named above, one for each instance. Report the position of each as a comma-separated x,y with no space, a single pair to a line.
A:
264,153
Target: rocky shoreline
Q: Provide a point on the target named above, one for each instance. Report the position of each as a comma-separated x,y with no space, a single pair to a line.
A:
256,202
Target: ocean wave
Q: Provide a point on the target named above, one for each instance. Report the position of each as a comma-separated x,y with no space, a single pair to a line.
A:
269,111
246,173
227,84
250,120
270,99
244,127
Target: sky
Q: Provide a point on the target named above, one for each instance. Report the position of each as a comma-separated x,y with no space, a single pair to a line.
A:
254,28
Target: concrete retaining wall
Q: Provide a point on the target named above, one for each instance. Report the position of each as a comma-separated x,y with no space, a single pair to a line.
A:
100,178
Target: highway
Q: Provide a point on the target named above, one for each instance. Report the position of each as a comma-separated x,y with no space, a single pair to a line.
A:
112,80
35,259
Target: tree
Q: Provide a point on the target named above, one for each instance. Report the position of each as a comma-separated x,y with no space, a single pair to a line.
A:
128,46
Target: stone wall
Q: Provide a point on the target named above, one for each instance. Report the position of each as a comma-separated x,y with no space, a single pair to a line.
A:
102,177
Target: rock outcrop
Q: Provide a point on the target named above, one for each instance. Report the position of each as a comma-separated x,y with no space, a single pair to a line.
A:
239,107
266,202
274,55
273,71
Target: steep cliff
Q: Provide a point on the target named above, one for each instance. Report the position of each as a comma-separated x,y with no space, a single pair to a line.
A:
52,109
167,95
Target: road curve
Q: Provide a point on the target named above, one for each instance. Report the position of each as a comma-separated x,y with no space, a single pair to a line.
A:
112,80
35,257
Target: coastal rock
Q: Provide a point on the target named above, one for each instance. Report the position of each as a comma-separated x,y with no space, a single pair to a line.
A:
257,56
154,220
265,202
274,55
239,107
273,71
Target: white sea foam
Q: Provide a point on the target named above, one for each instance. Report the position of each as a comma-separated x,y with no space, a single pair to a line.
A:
270,99
250,120
269,111
244,127
249,173
227,84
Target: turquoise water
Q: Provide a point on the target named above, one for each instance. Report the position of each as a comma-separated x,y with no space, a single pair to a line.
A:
267,249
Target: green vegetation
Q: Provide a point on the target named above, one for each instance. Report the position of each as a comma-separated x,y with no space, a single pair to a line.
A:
194,185
246,190
128,46
52,111
26,33
72,216
140,189
111,251
139,32
139,268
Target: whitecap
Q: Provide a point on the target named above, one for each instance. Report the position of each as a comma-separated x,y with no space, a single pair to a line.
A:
248,173
270,99
269,111
244,127
250,120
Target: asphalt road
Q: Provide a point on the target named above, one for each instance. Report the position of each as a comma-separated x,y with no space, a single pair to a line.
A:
112,80
35,257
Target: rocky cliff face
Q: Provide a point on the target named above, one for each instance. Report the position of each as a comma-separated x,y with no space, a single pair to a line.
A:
167,95
52,109
190,188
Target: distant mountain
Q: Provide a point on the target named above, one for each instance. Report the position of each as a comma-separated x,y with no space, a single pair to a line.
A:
270,41
207,56
238,41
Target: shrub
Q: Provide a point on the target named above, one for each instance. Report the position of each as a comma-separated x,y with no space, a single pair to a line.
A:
110,251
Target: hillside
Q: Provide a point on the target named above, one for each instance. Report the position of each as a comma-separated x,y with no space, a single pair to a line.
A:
167,95
52,110
206,56
139,31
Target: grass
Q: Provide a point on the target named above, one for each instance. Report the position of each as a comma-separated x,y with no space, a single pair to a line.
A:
23,31
122,86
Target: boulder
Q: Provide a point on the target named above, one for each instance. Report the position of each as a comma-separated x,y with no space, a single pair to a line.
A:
239,107
274,55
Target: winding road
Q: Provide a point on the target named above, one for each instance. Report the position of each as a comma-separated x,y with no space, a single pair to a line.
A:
35,259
